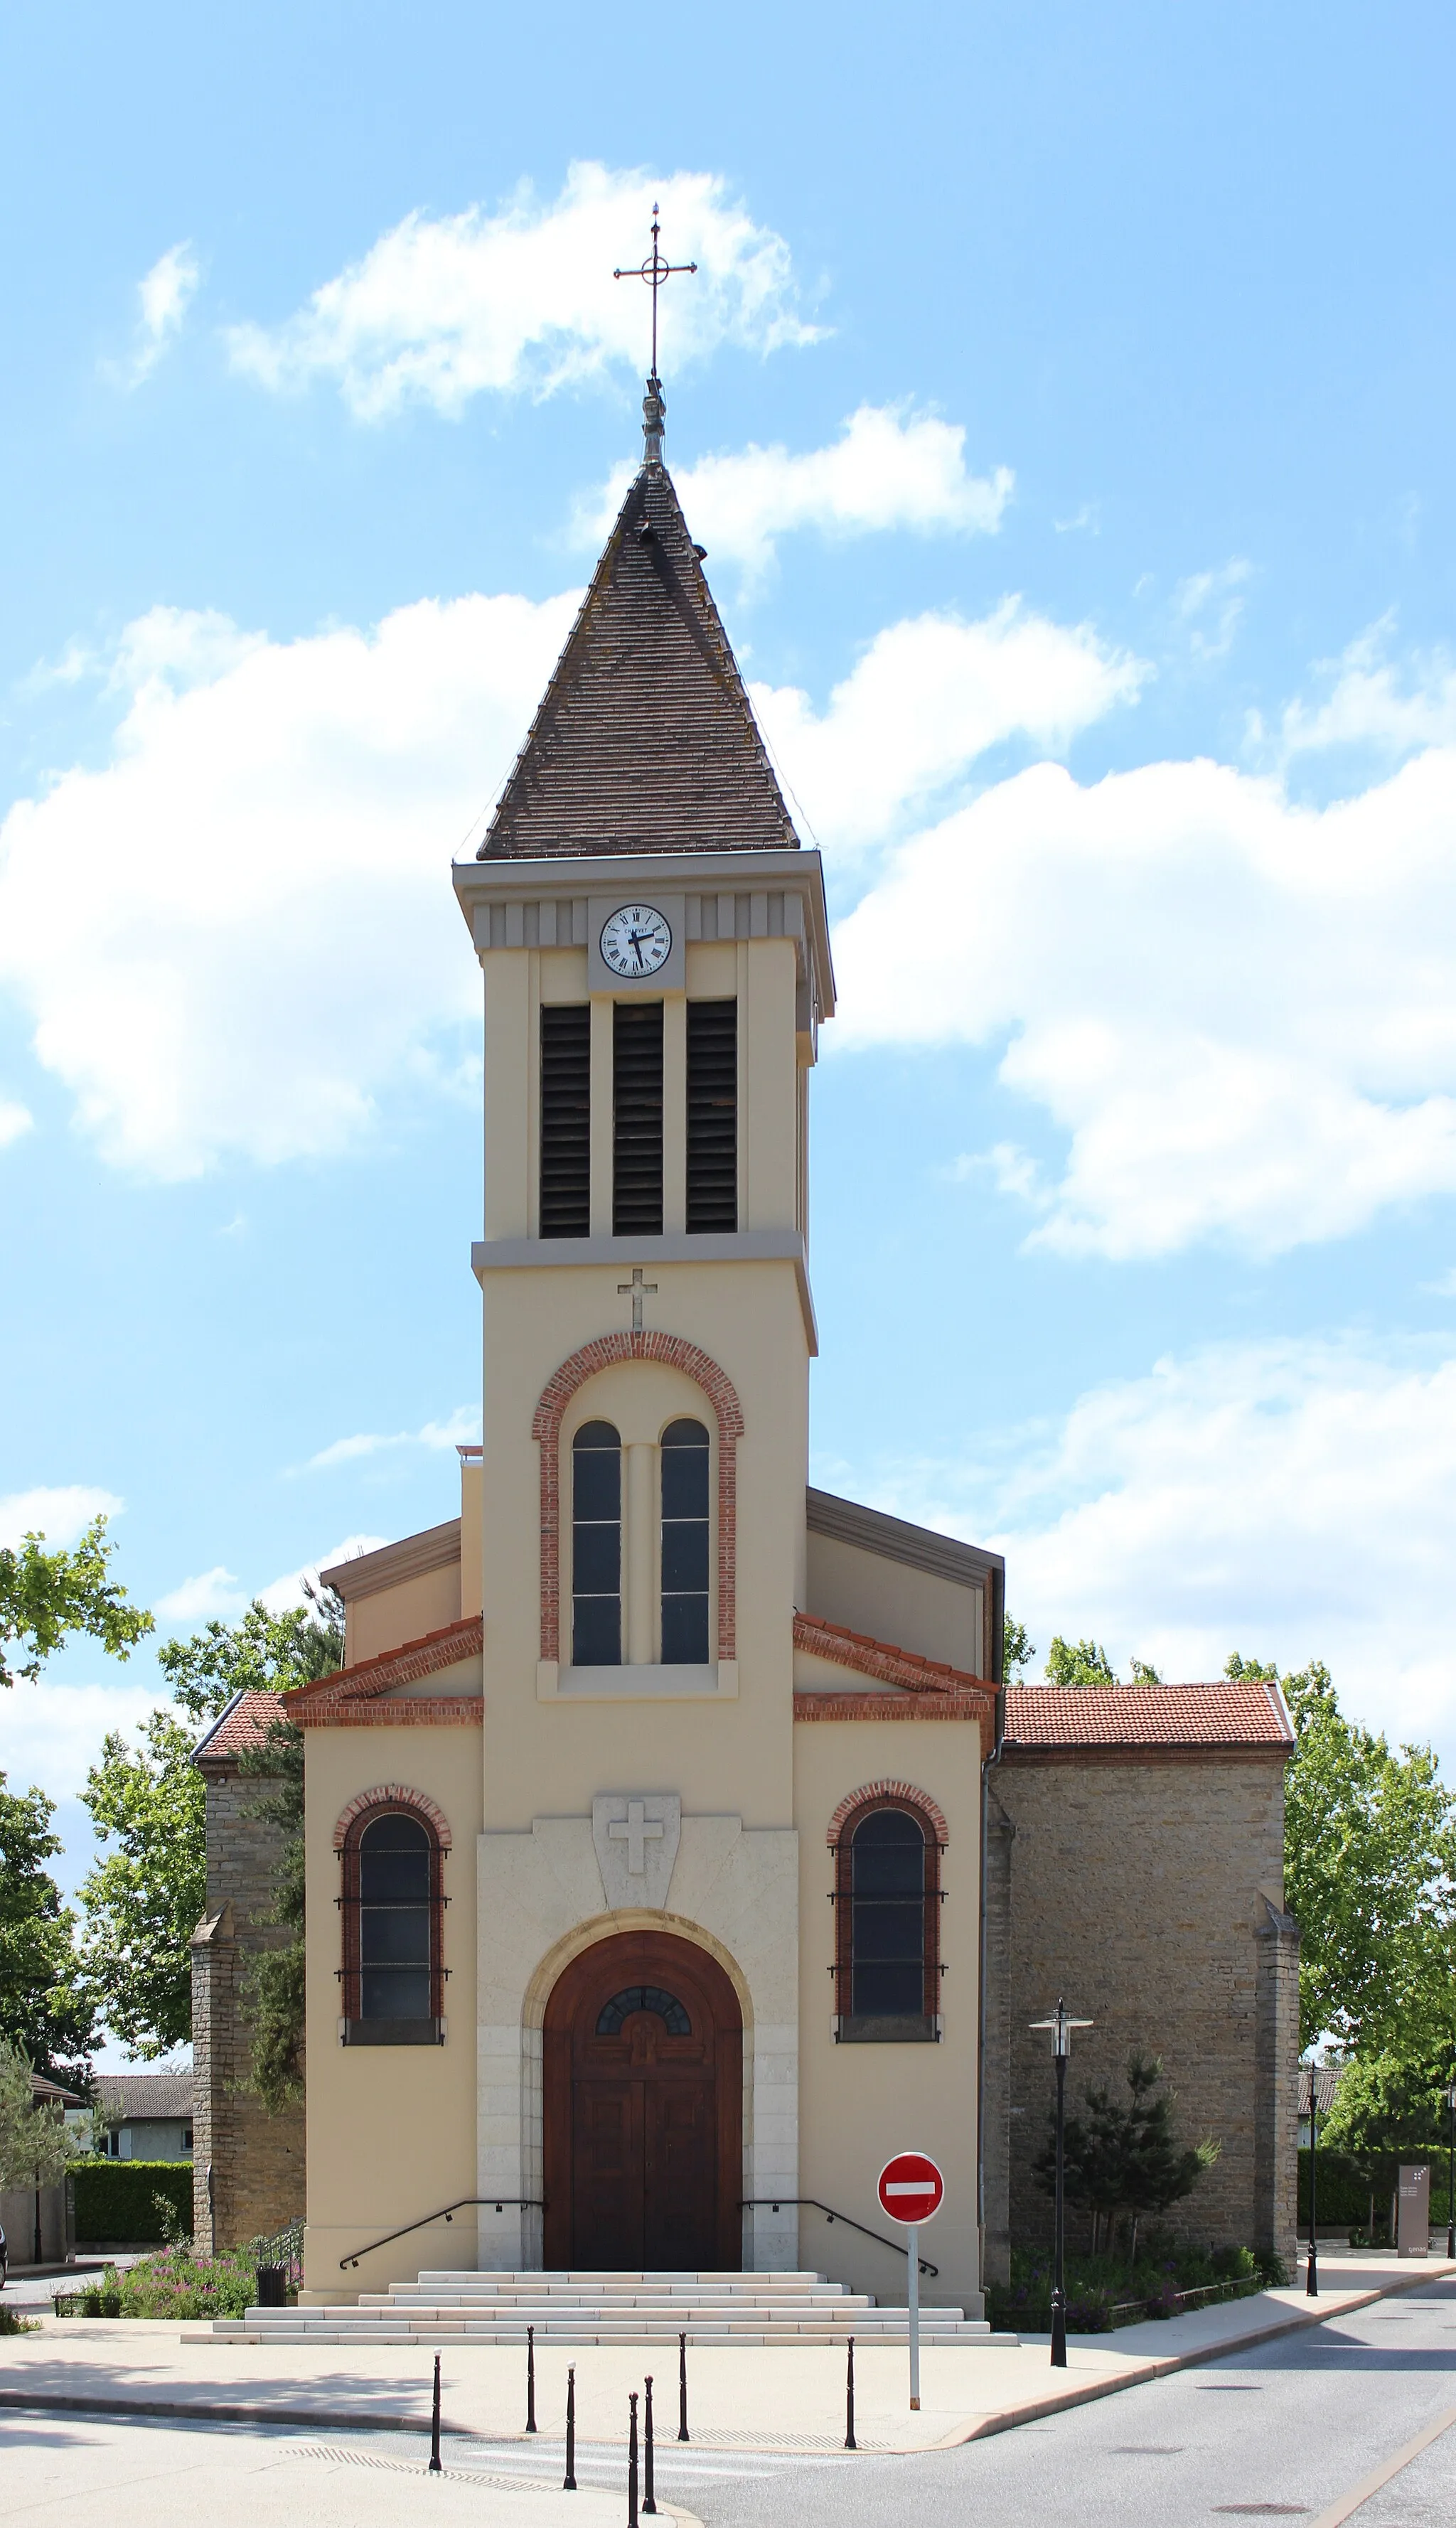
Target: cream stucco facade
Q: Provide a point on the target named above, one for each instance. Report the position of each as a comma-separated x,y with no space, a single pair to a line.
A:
599,1968
847,1656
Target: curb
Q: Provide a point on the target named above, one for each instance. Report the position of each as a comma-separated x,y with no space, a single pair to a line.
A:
1293,2322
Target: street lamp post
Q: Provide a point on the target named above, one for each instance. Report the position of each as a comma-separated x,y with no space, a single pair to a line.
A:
1312,2267
1452,2170
1060,2026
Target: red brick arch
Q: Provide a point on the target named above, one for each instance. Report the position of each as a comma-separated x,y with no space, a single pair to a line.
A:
546,1426
394,1795
871,1793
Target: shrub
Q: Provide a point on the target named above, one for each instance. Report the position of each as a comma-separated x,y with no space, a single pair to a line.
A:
174,2284
115,2199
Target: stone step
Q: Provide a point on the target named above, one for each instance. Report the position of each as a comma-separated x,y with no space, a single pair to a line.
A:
265,2325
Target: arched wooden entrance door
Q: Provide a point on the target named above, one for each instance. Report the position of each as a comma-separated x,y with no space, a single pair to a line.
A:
644,2110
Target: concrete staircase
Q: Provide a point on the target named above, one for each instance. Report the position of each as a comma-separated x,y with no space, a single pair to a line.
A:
606,2308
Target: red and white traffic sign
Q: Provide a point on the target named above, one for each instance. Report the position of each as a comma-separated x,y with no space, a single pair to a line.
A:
910,2187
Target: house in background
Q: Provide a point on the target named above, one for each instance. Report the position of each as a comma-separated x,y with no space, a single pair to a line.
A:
144,2115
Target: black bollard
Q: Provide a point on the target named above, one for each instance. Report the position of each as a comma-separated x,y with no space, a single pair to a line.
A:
632,2520
530,2378
849,2439
648,2505
435,2423
682,2386
569,2485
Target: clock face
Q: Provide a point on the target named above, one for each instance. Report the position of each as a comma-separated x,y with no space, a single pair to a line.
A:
636,940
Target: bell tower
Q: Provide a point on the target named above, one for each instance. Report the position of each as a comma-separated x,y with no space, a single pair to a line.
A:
656,966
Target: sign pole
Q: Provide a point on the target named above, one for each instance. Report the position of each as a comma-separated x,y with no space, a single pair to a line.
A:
911,2190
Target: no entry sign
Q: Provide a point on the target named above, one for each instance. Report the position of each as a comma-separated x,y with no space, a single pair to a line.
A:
910,2187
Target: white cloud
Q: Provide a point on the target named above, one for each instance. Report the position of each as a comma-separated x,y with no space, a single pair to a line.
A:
523,300
269,936
289,1590
927,698
1371,702
1240,1013
1209,603
209,1593
57,1511
1292,1501
270,942
14,1121
53,1735
163,296
889,468
462,1428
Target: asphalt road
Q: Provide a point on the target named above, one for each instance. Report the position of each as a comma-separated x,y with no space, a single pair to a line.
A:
1280,2433
1286,2432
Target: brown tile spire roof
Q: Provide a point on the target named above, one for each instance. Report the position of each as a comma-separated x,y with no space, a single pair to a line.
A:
645,740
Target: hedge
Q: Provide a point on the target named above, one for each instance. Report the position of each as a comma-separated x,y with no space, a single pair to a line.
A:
114,2203
1345,2187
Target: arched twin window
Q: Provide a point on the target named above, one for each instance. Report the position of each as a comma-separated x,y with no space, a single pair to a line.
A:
600,1564
393,1902
887,1899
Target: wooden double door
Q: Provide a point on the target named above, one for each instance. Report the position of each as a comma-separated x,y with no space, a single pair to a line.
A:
644,2110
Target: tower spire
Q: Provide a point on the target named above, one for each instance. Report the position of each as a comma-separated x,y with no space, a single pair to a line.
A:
653,269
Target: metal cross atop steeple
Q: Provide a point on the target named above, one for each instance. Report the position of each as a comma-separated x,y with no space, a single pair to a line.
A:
653,269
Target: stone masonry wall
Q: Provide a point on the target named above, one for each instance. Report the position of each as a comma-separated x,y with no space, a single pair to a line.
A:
247,2166
1147,1893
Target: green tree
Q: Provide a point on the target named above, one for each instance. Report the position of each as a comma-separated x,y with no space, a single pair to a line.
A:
1079,1663
1385,2104
144,1897
45,1596
1017,1648
1370,1876
46,2010
35,2148
276,1976
1126,2158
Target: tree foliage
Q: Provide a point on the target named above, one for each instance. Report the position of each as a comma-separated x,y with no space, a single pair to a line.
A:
35,2148
1081,1664
1017,1648
45,1597
46,2009
276,1976
1384,2105
145,1896
1124,2157
1370,1876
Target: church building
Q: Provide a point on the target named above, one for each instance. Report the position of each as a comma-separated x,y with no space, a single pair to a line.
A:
665,1821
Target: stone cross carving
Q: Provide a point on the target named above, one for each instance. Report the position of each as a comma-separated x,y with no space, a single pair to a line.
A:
636,1836
637,1290
635,1833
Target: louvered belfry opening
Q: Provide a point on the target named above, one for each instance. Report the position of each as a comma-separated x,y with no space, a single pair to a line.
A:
636,1119
566,1120
712,1116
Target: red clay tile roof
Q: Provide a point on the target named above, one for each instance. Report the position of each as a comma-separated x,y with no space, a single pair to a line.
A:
645,740
1225,1715
403,1666
884,1659
244,1723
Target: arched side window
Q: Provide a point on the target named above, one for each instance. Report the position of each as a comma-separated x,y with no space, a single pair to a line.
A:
684,1544
887,1900
394,1905
596,1547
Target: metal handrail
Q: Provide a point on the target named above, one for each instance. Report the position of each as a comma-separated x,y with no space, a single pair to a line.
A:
467,2202
770,2203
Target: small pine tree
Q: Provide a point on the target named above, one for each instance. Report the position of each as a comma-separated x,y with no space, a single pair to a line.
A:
1125,2159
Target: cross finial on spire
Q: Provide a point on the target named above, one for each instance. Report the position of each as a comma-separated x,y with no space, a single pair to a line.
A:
653,269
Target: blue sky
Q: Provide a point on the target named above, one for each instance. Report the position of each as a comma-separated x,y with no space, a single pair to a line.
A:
1064,402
